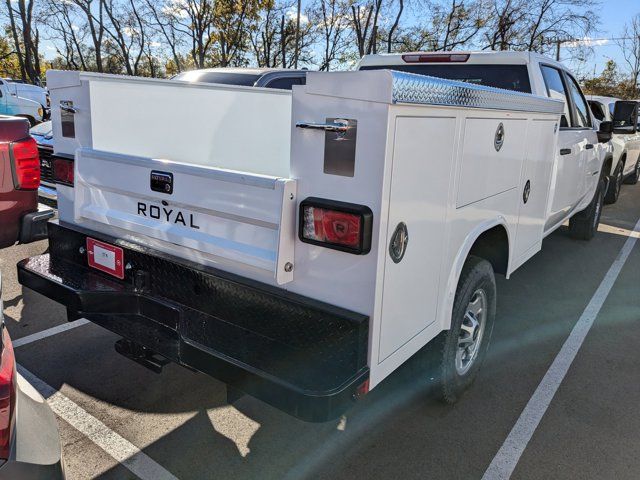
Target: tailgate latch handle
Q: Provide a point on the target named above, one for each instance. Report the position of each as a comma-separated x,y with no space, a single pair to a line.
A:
327,127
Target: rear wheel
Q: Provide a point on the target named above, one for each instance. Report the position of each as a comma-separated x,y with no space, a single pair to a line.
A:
584,225
465,344
635,176
615,182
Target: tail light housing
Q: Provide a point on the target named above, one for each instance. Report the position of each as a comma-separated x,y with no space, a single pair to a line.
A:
435,57
25,164
7,392
336,225
63,171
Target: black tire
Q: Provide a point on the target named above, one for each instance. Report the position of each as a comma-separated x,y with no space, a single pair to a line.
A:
584,225
635,176
615,183
477,276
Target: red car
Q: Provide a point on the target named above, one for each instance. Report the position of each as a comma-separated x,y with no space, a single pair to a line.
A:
20,219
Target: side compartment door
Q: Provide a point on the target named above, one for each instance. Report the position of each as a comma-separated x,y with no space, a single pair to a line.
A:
534,187
422,163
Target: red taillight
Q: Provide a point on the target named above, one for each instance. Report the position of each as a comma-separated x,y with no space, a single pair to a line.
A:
337,225
7,394
63,171
25,164
435,57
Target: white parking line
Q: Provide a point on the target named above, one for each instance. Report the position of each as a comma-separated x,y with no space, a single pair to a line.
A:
118,447
49,332
505,461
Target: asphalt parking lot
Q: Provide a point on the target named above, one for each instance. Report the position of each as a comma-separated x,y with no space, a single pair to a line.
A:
117,418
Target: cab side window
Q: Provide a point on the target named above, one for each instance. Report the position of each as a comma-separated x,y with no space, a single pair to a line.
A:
556,90
285,83
598,110
582,117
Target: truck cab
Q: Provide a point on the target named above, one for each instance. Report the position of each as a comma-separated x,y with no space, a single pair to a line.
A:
11,103
625,166
579,155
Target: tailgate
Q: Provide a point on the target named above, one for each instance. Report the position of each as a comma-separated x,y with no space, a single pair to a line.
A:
235,217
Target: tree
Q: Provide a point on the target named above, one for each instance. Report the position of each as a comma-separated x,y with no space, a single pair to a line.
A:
630,45
128,33
449,25
394,26
332,20
610,83
9,65
165,24
505,25
365,25
26,38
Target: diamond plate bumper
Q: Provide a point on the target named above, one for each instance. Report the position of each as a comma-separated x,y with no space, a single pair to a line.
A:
302,356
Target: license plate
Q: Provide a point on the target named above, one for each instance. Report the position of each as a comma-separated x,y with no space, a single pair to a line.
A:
105,257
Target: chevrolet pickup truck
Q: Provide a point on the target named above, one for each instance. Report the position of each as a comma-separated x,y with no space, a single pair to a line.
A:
301,246
21,218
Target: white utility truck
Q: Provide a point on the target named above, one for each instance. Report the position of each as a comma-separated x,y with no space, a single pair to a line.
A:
625,165
301,246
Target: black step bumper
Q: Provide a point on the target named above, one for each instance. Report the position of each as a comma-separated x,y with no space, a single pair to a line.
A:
33,226
302,356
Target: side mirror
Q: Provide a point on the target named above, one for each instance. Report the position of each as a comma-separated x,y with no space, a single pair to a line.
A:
605,132
625,117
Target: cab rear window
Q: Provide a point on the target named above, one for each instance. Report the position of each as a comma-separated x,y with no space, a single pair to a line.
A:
509,77
225,78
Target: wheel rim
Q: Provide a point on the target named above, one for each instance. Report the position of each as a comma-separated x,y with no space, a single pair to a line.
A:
618,182
471,332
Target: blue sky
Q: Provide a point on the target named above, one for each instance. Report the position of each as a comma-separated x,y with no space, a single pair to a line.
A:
612,15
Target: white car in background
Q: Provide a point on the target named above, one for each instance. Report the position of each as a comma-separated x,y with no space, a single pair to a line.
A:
626,147
31,92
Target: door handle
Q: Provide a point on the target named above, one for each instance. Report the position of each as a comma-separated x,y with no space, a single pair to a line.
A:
67,106
589,146
565,151
327,127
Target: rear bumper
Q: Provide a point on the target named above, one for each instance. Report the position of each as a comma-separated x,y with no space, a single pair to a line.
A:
33,226
302,356
48,194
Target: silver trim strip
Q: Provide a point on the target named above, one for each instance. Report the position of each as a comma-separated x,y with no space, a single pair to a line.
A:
421,89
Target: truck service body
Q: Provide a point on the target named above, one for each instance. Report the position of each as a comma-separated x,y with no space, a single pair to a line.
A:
300,247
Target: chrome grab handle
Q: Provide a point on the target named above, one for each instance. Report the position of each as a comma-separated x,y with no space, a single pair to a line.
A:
66,108
327,127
